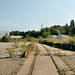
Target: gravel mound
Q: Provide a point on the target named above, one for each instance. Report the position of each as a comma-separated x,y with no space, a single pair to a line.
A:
53,36
60,37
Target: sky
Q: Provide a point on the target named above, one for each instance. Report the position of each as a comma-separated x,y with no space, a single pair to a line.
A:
24,15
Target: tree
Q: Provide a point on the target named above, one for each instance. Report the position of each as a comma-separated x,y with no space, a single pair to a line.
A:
66,29
63,30
15,33
73,31
66,25
72,24
45,34
54,31
5,39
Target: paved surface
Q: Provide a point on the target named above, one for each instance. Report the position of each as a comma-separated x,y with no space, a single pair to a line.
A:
44,64
59,62
4,46
26,67
53,50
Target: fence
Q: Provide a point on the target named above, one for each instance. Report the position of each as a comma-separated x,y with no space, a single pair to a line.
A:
59,45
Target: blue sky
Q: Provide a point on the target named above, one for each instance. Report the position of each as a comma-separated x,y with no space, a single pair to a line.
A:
26,15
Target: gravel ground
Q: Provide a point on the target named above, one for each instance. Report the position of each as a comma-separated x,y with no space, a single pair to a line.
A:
3,50
70,61
9,66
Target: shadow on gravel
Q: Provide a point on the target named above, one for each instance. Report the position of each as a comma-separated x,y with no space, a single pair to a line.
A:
4,57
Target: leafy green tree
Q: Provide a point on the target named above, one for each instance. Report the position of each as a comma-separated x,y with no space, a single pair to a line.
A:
45,34
56,27
55,31
5,39
47,29
70,30
72,24
66,25
66,29
73,31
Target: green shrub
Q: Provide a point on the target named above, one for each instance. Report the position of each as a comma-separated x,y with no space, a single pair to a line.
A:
71,41
25,39
55,31
39,37
5,39
36,50
11,52
31,39
24,47
0,40
41,41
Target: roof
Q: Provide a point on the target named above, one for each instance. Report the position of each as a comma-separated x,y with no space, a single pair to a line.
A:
15,36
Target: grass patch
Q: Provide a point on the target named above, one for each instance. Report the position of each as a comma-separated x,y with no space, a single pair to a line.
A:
36,50
11,52
59,54
63,71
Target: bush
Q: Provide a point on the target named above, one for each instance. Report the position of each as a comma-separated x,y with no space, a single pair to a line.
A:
5,39
0,39
39,37
55,32
41,41
25,39
31,39
24,47
46,34
71,41
11,52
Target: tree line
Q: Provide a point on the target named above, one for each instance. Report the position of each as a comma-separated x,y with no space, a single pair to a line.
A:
46,32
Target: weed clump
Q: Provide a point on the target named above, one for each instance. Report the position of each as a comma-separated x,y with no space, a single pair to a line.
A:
71,41
11,52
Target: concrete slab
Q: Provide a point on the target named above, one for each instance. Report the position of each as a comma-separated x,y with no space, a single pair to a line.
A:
60,63
62,66
42,49
26,67
44,64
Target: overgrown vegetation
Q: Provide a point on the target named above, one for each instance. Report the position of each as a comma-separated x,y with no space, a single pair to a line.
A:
11,52
59,45
71,41
16,43
36,50
59,54
25,49
63,71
